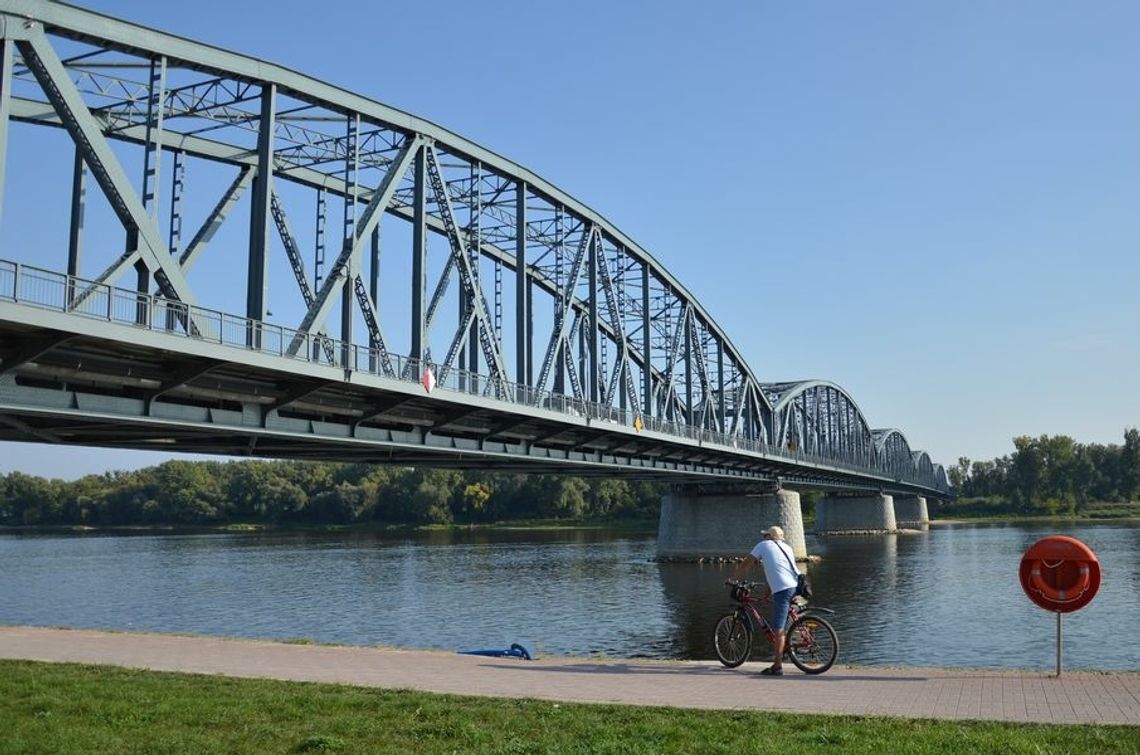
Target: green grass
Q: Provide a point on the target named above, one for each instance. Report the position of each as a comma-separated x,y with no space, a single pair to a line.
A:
66,708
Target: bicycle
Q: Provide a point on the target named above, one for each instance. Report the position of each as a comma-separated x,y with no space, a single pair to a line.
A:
811,642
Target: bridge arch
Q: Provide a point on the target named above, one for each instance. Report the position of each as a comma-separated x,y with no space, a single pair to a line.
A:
941,480
819,417
923,466
892,452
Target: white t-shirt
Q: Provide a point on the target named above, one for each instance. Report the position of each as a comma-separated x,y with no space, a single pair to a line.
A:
780,571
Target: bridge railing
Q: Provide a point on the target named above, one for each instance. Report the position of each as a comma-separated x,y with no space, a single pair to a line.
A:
52,290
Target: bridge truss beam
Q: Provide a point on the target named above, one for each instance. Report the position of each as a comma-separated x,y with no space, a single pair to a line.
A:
621,335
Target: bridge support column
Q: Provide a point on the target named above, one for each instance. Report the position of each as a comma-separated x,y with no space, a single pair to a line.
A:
911,512
725,525
853,515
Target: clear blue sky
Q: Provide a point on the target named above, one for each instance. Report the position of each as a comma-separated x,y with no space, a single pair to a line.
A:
935,205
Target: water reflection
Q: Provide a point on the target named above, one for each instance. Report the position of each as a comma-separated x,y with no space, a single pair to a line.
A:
948,596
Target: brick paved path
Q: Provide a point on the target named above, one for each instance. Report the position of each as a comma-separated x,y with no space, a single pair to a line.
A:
1077,697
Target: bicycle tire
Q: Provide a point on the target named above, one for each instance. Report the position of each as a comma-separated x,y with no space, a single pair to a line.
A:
732,639
812,644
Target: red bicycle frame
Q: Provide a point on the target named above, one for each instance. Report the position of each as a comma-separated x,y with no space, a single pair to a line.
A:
750,608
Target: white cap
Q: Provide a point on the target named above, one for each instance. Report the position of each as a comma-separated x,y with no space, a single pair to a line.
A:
775,532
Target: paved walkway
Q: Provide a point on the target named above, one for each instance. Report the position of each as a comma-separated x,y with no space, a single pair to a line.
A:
1081,697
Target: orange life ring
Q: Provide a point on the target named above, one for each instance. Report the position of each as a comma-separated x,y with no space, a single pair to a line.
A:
1060,573
1070,592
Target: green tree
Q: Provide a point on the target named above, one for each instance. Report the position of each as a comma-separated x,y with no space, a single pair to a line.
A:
569,499
1059,456
246,486
282,500
1102,483
80,498
419,496
1082,477
188,492
610,497
959,474
31,500
1028,473
1130,464
474,501
124,501
343,504
988,478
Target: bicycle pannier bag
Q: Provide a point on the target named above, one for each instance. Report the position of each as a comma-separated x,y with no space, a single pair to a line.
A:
803,584
803,587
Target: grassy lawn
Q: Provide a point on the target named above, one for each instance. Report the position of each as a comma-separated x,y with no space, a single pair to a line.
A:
67,708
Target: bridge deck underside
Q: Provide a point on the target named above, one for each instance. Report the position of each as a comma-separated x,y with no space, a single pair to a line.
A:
91,385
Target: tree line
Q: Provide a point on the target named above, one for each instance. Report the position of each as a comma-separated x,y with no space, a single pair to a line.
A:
1044,475
1052,475
283,492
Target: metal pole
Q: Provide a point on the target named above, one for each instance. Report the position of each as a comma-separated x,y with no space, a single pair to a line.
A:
474,242
319,253
590,328
6,61
374,290
257,277
152,156
1058,644
141,289
419,256
75,234
522,292
352,146
560,311
646,345
688,336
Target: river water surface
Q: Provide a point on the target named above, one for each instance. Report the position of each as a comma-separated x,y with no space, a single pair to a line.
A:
947,597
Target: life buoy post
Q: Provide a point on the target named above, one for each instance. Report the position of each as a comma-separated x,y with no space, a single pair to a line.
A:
1060,574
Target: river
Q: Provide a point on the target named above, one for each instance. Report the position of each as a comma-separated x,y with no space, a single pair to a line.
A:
946,597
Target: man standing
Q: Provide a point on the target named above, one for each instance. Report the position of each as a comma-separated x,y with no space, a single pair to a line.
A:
780,570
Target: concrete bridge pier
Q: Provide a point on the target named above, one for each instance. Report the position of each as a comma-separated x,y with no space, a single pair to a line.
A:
841,514
697,525
911,512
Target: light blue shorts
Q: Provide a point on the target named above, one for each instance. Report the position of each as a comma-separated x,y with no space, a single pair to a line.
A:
781,602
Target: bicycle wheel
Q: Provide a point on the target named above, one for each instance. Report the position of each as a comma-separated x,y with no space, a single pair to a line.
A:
733,640
812,644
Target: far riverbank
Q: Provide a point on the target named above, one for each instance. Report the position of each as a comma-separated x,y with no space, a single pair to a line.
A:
640,525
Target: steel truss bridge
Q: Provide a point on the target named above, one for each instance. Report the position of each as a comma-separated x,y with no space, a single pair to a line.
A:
521,329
